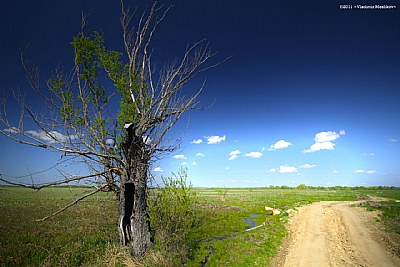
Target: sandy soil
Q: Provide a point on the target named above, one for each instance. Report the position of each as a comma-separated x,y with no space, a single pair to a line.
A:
337,234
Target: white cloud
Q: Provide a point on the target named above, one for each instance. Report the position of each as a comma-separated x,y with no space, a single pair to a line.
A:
368,154
326,137
323,141
320,146
254,155
263,149
307,166
179,156
234,154
147,140
227,168
334,171
184,163
364,171
197,141
393,140
280,145
158,169
194,163
200,155
41,135
215,139
12,130
287,169
109,142
51,137
232,157
272,170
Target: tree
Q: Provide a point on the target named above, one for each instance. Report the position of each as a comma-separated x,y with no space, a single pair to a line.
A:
302,187
117,146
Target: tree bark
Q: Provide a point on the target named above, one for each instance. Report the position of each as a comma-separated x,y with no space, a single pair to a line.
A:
134,224
140,224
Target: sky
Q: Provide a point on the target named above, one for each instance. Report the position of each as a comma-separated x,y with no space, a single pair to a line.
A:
310,93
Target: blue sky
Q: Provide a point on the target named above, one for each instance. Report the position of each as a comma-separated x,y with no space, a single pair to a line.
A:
310,95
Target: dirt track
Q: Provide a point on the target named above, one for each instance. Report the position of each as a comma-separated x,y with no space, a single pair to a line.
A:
337,234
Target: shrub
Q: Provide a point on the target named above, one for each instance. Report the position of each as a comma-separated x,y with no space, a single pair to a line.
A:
302,187
172,216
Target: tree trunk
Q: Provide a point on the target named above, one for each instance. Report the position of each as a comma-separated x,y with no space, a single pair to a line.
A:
134,224
140,224
125,212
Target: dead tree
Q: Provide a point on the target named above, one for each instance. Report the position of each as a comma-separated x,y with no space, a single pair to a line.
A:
117,149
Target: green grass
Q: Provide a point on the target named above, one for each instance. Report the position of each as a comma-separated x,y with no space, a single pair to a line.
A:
393,194
390,209
390,213
222,238
86,234
69,239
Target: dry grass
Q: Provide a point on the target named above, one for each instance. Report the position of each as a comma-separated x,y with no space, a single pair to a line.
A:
116,256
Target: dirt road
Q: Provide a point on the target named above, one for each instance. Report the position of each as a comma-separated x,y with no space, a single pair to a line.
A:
337,234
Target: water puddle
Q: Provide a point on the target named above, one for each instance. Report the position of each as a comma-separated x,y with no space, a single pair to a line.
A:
250,223
211,251
211,248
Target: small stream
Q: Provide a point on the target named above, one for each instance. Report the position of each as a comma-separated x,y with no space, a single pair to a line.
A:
250,223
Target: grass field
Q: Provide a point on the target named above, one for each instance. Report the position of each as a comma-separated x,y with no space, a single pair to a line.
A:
85,235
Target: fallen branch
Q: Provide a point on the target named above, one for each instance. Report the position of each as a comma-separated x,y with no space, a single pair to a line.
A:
255,227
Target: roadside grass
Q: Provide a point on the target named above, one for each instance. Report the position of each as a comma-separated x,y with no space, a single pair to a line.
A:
391,215
390,210
85,234
392,194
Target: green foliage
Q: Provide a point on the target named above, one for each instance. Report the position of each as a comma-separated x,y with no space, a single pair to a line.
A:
87,53
172,216
222,192
83,104
92,57
93,62
57,85
302,187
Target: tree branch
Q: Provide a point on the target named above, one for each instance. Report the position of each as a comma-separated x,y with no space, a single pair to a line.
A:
73,203
41,186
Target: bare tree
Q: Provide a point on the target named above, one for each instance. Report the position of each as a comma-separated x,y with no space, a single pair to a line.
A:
117,146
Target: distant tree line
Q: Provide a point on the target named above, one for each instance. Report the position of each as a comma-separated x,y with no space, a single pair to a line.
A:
300,187
336,187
